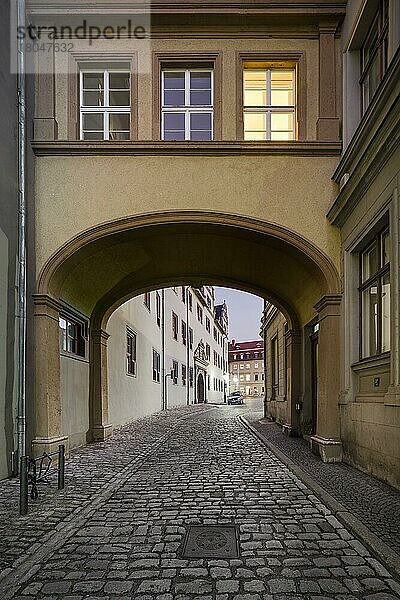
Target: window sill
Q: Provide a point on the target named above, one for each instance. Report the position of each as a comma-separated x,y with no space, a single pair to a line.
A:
83,359
214,148
382,360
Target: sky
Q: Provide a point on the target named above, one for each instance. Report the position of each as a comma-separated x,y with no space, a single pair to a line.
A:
244,312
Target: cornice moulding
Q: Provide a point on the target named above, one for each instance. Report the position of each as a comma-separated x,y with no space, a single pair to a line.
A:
133,148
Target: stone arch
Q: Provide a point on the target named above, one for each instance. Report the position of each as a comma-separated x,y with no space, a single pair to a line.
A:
103,267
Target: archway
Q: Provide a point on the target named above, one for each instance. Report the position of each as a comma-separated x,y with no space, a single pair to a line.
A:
102,268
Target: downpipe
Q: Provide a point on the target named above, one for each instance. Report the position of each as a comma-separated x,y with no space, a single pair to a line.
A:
21,411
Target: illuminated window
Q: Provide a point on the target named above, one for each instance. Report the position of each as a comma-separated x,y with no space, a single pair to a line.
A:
269,103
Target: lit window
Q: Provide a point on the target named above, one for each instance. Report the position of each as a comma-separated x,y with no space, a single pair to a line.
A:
187,104
269,106
105,104
130,352
375,296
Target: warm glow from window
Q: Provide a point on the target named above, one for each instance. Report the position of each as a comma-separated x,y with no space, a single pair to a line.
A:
269,104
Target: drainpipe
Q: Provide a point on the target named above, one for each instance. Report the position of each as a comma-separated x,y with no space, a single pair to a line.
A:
187,347
163,378
21,414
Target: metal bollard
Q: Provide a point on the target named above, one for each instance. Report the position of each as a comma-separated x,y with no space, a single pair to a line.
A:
23,487
61,466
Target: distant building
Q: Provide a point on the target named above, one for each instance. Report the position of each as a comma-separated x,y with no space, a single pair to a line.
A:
246,368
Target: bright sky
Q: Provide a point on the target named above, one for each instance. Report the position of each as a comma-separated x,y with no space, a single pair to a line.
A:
244,312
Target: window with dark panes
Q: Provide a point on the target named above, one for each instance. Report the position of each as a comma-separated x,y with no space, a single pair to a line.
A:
156,366
375,296
187,104
175,372
158,309
183,374
147,300
105,104
191,376
130,352
175,326
72,336
374,53
190,338
184,333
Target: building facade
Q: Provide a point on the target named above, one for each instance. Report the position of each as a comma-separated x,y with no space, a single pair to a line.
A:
246,368
246,144
166,348
366,211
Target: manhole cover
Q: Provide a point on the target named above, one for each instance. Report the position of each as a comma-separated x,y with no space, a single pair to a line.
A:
210,541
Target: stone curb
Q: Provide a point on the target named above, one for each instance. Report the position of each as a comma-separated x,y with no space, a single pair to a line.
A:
386,555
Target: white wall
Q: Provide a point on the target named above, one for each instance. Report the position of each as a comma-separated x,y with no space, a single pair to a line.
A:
133,396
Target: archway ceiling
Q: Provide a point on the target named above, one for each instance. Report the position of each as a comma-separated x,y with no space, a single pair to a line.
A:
106,272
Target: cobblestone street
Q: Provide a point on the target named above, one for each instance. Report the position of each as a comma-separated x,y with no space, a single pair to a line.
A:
118,529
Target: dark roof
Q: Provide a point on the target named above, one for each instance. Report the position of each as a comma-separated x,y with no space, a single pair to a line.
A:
243,346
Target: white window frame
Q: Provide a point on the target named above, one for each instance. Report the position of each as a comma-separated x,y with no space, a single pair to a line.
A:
106,109
188,109
268,109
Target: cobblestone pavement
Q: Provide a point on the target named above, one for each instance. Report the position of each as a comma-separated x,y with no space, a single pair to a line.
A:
123,537
375,504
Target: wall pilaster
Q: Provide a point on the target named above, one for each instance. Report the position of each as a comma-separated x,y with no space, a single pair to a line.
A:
327,442
100,428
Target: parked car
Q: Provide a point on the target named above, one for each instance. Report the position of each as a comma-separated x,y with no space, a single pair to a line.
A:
235,398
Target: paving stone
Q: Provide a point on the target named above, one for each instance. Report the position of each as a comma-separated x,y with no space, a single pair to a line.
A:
129,545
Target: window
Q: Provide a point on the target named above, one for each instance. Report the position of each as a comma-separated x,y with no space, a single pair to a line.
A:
191,376
208,351
184,333
208,325
156,366
184,375
374,54
235,357
158,308
375,296
130,352
199,313
190,301
183,290
241,356
190,338
235,366
247,377
241,366
175,326
241,377
247,365
187,104
274,367
215,333
255,354
255,376
105,104
147,300
175,372
256,365
269,105
72,336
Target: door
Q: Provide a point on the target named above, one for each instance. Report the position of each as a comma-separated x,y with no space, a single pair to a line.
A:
200,388
314,380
